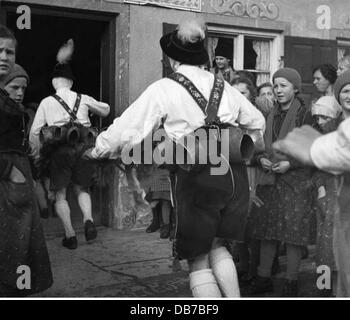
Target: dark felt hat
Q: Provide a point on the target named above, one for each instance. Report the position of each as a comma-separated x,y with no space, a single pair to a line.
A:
188,53
62,70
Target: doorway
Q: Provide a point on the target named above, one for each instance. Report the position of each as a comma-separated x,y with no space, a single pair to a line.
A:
36,52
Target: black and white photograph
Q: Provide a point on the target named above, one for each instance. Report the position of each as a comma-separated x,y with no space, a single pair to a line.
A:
175,149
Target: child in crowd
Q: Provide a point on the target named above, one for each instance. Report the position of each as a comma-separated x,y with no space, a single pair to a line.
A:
265,99
326,188
15,85
156,184
248,253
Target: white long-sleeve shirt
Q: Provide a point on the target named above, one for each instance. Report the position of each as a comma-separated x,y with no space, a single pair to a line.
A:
50,112
331,152
167,102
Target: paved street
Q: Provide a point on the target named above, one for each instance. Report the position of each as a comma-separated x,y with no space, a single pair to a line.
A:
132,264
118,264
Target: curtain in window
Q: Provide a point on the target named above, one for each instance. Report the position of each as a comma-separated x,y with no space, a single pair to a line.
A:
341,52
262,49
212,43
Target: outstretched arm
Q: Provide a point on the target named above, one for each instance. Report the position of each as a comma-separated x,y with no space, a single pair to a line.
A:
99,108
137,122
330,152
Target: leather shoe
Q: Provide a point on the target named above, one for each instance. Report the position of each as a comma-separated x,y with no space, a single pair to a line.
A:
165,231
90,230
70,243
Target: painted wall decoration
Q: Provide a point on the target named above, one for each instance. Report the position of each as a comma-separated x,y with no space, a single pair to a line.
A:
193,5
251,8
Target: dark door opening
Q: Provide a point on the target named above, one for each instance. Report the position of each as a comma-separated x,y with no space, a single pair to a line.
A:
36,52
38,47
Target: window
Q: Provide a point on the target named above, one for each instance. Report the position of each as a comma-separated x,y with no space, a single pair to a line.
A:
343,48
255,51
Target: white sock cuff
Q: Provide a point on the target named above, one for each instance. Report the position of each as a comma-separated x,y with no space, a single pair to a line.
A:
200,277
203,284
58,202
218,254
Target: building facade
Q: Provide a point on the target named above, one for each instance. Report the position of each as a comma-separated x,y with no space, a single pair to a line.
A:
118,55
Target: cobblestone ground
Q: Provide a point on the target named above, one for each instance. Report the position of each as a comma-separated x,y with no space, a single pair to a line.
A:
134,264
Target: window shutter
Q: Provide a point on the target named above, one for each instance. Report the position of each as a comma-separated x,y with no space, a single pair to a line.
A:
304,54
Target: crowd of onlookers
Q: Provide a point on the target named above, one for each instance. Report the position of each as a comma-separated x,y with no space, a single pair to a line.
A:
291,206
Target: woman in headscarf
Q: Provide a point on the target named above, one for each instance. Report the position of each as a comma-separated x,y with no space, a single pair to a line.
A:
285,215
22,242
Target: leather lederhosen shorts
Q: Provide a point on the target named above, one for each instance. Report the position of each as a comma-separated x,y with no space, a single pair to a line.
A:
67,165
208,206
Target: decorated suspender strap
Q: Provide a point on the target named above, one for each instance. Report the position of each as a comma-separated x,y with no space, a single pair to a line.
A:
214,101
72,113
210,108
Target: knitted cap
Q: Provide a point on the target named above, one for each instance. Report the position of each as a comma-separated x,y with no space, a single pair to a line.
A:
17,72
291,75
326,106
341,82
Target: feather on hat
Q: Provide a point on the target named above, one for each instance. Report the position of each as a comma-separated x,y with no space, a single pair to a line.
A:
62,69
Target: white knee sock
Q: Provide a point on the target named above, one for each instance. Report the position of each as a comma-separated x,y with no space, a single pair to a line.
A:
63,211
224,271
203,284
84,200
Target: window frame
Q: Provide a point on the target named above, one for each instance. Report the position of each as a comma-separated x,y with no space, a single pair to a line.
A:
342,43
238,34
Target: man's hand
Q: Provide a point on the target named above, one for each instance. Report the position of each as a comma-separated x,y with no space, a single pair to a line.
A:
266,164
297,144
87,154
16,176
281,167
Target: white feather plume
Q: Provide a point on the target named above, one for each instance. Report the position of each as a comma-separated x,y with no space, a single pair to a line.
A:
191,31
65,52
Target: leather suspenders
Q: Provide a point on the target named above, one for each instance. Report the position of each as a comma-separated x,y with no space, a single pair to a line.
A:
72,113
211,107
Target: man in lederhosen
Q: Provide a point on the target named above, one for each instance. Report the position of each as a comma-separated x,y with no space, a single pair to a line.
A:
206,207
65,162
